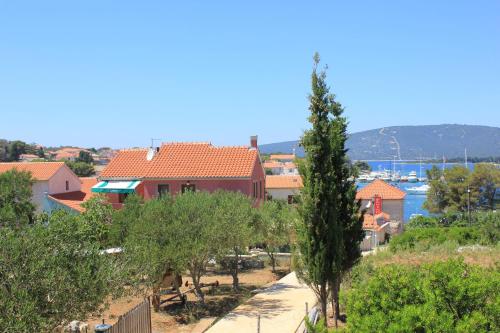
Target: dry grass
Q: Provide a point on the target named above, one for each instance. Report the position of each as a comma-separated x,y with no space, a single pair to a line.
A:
193,317
482,256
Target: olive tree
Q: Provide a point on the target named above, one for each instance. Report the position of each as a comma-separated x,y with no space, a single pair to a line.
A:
235,219
51,273
276,221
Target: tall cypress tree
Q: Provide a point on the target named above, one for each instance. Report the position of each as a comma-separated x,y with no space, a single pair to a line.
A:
319,235
348,208
331,228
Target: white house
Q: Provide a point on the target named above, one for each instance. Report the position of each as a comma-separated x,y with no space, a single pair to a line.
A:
50,178
283,187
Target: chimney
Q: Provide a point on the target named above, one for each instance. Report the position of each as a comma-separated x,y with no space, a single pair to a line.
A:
253,141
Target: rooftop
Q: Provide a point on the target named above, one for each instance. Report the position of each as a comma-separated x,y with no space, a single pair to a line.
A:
282,157
284,182
183,160
39,170
74,200
382,189
370,221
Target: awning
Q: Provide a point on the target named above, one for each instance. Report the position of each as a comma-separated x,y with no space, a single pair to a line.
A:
116,186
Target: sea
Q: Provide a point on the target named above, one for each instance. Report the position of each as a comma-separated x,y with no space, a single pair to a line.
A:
413,202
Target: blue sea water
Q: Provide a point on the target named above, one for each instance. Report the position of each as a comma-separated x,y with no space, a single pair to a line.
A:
413,202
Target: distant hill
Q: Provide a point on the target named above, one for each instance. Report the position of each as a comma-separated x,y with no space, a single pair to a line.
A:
412,142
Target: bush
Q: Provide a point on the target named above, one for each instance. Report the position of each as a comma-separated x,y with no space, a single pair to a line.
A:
81,169
422,239
448,296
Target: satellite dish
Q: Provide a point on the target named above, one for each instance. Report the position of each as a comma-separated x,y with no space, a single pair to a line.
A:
150,154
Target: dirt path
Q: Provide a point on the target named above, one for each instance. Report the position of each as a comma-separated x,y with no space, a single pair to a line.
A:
176,318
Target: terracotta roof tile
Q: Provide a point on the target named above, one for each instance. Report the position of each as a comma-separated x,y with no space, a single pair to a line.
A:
282,157
284,182
272,164
39,170
130,163
370,222
381,188
184,160
74,200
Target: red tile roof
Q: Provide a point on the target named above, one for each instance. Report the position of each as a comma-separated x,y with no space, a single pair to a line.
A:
370,222
74,200
382,189
282,157
272,164
292,182
39,170
184,160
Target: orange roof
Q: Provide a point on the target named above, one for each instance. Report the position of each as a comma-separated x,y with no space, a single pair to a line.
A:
68,152
184,160
39,170
282,157
382,189
272,164
284,182
370,222
28,156
75,199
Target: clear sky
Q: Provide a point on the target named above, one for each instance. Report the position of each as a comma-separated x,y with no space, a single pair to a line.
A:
118,73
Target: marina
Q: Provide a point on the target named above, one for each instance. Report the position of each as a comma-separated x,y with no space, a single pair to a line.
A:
409,177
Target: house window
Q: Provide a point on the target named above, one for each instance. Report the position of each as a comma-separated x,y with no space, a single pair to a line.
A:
163,189
122,197
188,188
254,194
67,185
290,199
260,189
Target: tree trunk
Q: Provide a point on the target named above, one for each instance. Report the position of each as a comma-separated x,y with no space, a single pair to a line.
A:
323,299
234,270
197,288
335,287
156,299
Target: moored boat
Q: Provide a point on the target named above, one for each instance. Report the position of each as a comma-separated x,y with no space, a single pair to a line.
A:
422,189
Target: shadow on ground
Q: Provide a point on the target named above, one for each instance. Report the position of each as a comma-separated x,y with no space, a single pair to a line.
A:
218,302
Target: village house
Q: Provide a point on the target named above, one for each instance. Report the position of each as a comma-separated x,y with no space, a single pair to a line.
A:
28,157
50,179
281,165
72,201
179,167
67,153
379,197
283,187
282,157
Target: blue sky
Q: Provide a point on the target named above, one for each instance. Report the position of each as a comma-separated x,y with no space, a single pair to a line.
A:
117,73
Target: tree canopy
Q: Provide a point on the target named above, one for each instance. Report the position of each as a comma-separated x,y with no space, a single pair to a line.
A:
449,189
50,273
16,207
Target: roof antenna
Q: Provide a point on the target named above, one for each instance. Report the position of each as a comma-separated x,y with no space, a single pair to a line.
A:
152,151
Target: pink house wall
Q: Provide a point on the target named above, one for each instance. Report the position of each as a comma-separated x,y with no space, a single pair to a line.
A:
57,183
148,189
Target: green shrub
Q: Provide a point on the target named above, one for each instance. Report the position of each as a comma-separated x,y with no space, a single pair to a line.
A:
448,296
421,239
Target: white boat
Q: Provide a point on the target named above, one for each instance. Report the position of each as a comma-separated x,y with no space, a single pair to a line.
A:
412,177
422,189
363,178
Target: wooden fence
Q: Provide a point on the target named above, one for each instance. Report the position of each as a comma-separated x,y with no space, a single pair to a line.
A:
137,320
